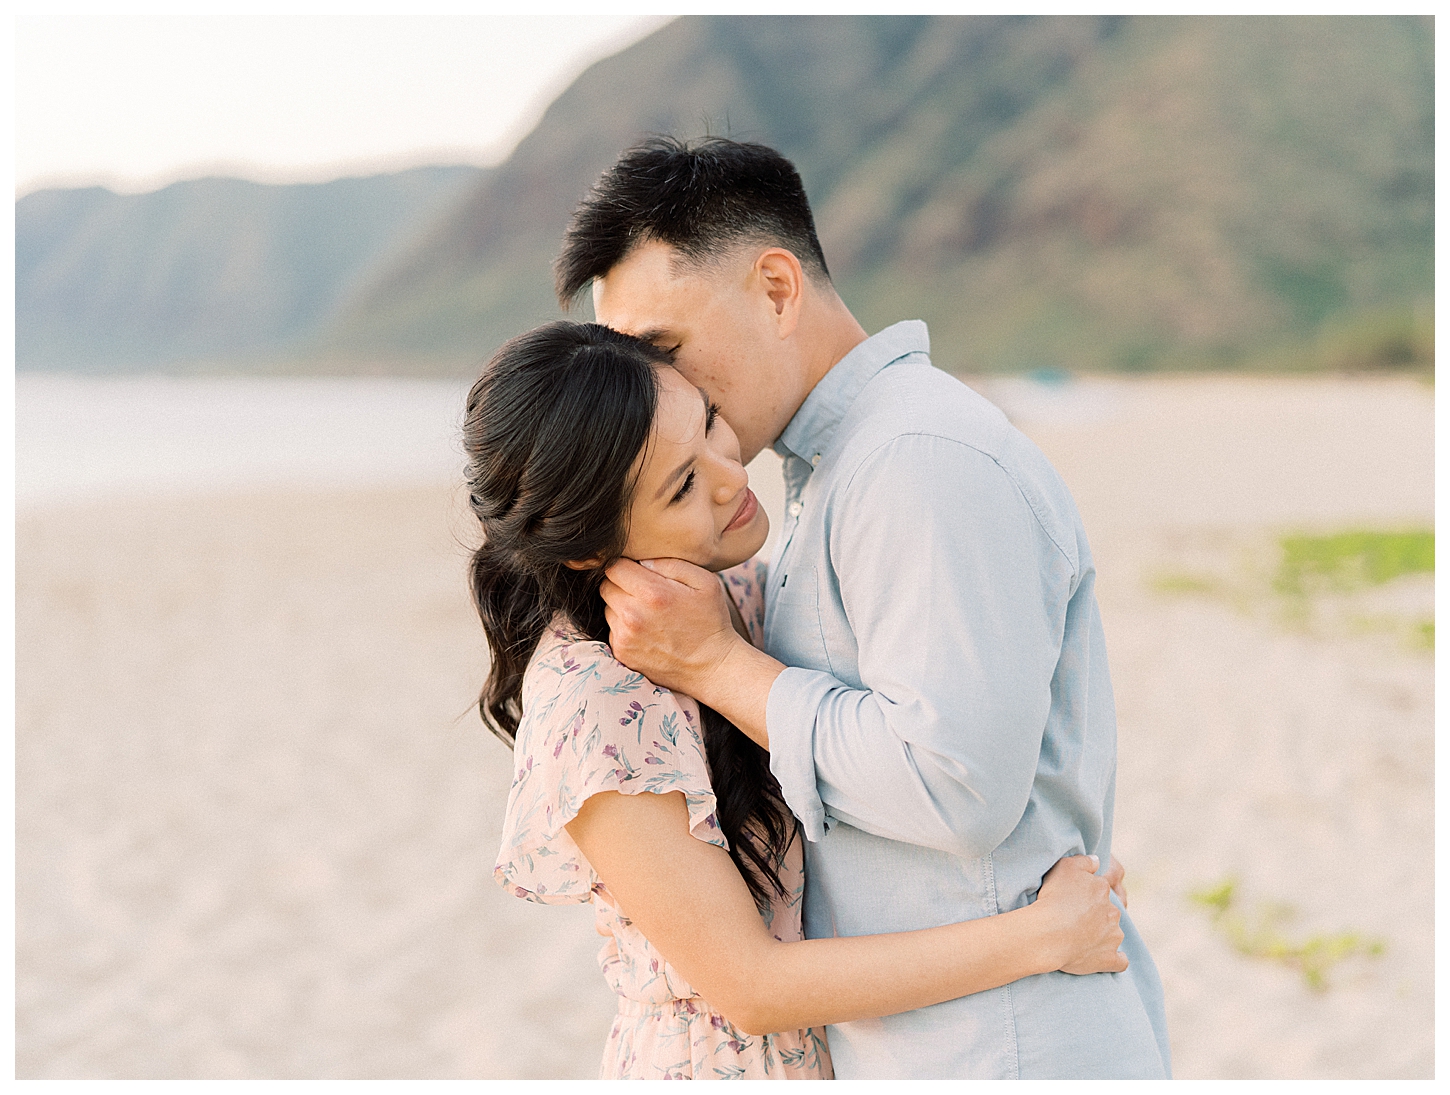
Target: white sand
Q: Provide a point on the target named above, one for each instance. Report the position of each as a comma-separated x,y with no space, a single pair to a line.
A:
256,820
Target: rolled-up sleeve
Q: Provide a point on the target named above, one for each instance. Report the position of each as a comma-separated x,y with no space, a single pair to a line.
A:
795,698
956,597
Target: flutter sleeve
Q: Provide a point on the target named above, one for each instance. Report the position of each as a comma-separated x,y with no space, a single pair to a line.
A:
590,725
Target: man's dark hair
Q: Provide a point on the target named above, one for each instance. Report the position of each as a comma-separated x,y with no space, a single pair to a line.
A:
700,197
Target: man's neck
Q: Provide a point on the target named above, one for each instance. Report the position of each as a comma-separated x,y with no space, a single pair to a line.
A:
833,333
827,333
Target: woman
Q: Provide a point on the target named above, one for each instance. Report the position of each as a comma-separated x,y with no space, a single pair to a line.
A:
585,446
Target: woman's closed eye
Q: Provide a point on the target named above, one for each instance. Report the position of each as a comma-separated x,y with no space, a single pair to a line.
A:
684,487
712,412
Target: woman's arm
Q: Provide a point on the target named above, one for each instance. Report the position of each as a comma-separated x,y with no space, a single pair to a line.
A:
690,902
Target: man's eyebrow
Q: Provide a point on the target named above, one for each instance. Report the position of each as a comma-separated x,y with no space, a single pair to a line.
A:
705,399
653,334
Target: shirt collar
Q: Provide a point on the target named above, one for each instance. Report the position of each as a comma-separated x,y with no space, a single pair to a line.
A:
810,431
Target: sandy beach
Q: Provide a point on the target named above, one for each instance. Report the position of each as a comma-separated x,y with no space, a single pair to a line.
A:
257,813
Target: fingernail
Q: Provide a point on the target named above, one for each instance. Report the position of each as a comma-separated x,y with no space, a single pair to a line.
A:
1095,860
648,564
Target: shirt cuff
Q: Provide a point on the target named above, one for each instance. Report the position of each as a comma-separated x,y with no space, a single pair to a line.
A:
790,721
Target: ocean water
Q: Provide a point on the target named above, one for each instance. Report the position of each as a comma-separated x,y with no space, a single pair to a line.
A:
86,438
80,439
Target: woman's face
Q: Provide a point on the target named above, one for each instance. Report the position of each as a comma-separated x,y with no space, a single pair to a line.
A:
692,499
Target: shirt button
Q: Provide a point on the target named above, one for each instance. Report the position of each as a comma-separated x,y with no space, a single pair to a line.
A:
815,459
795,509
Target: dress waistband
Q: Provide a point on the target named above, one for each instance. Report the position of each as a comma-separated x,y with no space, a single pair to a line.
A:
693,1005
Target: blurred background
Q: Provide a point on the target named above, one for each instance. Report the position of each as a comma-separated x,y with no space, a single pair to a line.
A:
258,261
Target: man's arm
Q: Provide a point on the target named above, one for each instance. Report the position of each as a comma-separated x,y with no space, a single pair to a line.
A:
670,621
956,597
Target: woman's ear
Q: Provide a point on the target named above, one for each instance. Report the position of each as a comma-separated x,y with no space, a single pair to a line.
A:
582,564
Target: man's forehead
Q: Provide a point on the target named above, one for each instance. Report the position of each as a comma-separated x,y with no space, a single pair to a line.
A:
641,291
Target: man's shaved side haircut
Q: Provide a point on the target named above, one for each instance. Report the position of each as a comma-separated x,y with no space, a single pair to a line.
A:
702,198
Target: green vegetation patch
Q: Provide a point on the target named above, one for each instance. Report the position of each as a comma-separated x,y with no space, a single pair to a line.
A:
1331,583
1348,560
1263,938
1185,583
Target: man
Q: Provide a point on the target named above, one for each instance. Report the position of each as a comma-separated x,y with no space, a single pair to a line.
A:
934,688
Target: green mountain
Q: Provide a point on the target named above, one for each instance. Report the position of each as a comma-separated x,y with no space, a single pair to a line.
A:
215,271
1067,191
1081,192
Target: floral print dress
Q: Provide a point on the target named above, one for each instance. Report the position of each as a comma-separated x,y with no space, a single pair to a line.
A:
590,725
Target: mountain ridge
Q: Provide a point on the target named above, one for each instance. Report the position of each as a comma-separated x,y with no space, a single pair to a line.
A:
1081,192
212,270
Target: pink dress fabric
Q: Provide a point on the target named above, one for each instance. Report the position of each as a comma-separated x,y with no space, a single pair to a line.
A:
590,725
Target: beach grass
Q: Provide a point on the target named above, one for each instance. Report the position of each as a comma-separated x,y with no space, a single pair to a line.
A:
1346,582
1351,560
1262,936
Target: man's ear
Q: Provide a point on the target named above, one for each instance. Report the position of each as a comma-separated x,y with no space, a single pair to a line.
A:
783,279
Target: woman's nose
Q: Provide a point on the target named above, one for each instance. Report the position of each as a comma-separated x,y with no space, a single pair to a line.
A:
731,482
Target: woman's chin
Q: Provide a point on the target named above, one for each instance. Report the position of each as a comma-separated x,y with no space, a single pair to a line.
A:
743,543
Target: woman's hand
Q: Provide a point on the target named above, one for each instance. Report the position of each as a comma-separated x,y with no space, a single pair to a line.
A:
1081,918
1117,874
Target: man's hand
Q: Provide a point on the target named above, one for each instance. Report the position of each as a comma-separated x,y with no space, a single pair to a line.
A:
668,620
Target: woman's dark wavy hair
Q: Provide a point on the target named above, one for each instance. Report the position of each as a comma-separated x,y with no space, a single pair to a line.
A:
551,431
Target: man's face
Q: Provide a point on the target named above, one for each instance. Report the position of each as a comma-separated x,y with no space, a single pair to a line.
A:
721,324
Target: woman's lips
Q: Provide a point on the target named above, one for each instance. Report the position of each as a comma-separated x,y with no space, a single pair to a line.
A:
746,513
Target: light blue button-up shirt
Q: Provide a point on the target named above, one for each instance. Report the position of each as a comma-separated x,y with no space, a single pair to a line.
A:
946,732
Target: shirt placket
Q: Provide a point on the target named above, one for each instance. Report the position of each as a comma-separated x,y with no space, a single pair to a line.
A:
797,473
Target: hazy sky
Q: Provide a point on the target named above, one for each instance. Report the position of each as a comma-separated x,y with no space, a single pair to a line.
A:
135,102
